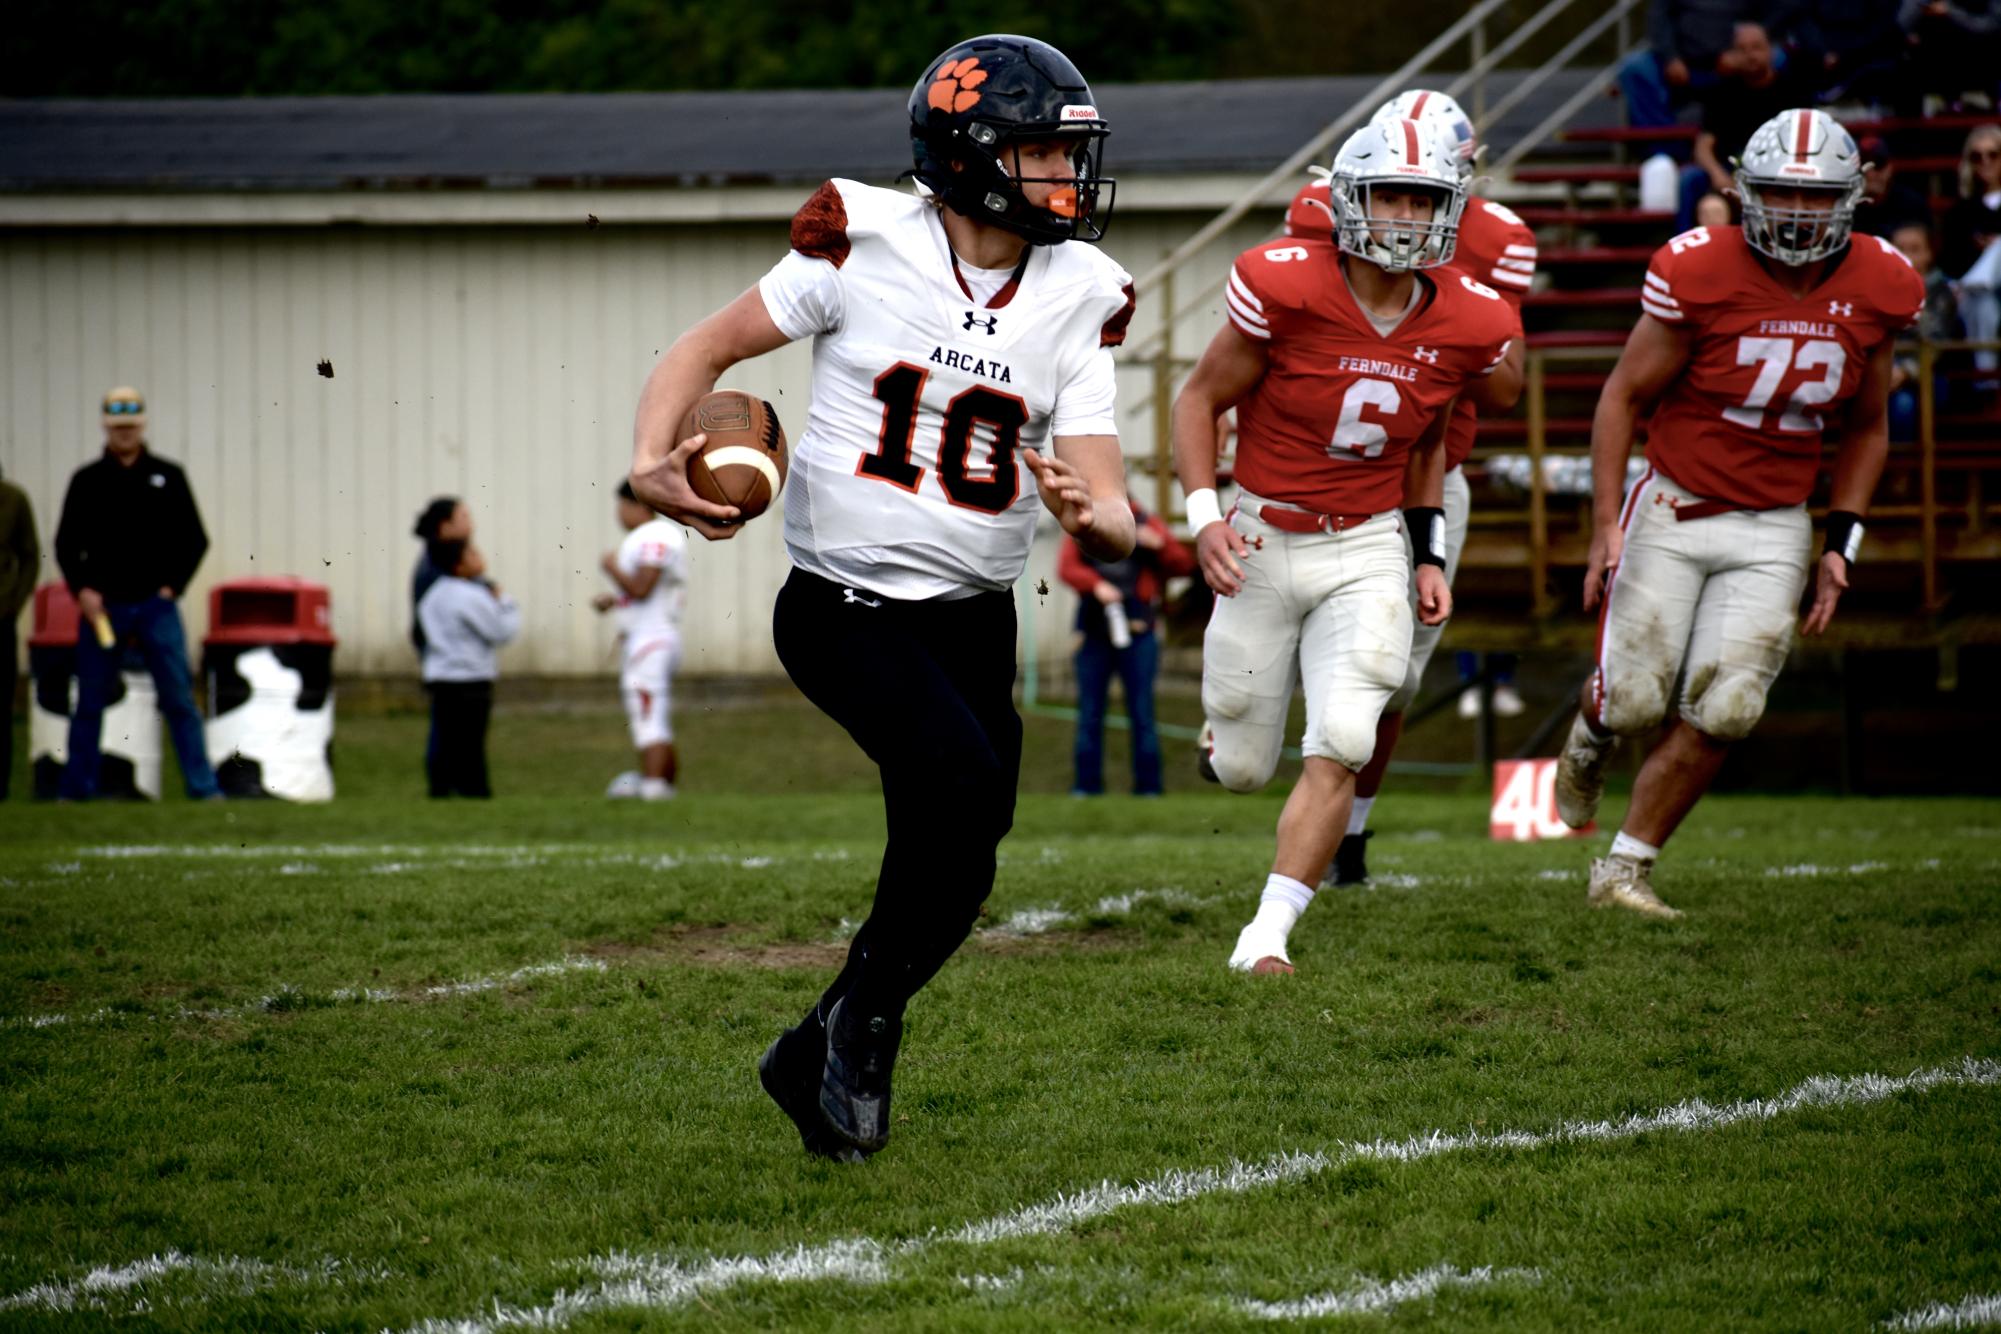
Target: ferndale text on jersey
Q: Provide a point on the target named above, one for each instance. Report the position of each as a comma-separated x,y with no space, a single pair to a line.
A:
1802,328
972,365
1395,370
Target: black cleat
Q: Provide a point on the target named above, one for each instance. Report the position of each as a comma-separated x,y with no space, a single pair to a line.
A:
854,1087
790,1072
1350,862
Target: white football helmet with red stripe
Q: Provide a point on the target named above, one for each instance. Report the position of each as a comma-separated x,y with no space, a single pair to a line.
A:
1400,155
1807,151
1444,115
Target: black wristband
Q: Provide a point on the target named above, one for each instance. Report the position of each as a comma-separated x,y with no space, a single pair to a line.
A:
1844,534
1427,534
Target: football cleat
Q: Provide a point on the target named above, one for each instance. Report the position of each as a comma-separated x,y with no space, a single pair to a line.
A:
625,785
1622,882
1260,950
854,1084
790,1072
1350,865
1580,774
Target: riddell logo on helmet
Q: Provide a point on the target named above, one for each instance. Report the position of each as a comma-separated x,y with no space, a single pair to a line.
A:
1800,169
1080,113
954,86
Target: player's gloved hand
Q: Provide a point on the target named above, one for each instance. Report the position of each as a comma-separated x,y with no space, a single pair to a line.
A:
1063,492
1219,548
1829,584
1607,545
1434,595
665,488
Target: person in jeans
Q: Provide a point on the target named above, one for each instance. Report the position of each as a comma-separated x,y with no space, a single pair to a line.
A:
20,557
465,620
1116,620
128,542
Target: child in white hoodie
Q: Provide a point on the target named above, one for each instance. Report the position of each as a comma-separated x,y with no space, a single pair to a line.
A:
465,621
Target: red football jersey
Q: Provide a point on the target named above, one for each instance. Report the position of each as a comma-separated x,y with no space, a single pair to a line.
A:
1494,246
1331,424
1743,422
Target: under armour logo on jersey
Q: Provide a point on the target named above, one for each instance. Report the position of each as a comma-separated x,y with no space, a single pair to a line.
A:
1841,307
849,595
990,321
1427,355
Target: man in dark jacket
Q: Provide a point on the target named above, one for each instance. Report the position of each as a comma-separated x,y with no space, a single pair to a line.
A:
128,543
20,558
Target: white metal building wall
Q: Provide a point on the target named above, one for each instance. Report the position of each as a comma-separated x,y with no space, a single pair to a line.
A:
498,363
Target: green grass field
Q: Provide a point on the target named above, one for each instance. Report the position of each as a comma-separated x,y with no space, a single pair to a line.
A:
391,1064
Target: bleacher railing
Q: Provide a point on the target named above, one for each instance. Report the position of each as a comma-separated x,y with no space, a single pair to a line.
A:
1156,351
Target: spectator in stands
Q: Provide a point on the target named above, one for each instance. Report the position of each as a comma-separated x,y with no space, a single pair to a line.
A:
1116,620
1886,205
1754,90
1971,226
129,540
1954,51
1853,49
1713,210
1938,321
20,561
465,619
1691,44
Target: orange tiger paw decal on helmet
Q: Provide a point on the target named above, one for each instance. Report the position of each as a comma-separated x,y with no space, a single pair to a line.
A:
954,87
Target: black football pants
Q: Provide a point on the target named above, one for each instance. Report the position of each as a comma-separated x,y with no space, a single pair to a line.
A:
927,690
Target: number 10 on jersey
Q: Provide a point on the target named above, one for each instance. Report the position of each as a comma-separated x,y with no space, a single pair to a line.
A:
992,490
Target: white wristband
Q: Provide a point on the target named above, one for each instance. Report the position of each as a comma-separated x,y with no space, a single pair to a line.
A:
1203,510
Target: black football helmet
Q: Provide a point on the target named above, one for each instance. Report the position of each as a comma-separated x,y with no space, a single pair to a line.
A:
989,91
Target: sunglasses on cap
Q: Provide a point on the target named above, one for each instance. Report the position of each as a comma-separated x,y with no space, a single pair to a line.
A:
124,407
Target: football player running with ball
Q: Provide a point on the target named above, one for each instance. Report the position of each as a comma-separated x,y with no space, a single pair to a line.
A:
1497,248
1343,361
1748,336
962,379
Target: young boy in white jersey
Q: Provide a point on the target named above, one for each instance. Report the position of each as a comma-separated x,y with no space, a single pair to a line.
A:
960,351
650,569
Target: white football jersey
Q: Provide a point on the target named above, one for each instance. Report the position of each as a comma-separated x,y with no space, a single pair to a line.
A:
661,545
908,480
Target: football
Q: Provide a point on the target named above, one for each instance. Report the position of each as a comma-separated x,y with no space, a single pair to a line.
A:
742,463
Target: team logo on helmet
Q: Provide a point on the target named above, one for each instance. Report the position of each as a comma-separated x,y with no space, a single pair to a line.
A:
955,87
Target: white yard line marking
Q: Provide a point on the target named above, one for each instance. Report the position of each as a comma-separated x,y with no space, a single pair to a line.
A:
1372,1296
1037,921
292,998
1967,1313
637,1281
224,1277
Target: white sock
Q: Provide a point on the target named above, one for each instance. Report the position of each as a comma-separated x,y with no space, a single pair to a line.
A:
1284,900
1625,845
1358,814
653,789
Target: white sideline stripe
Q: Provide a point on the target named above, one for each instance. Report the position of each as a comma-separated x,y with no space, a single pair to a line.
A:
634,1281
1968,1313
450,856
277,1000
1808,870
227,1276
1373,1296
743,456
